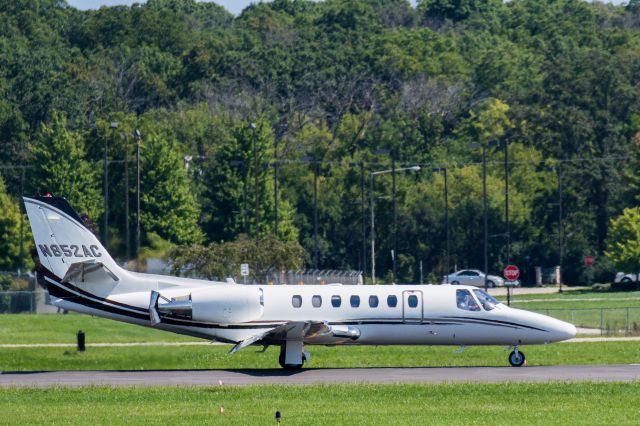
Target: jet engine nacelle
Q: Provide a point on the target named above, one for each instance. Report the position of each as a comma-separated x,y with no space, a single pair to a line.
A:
227,304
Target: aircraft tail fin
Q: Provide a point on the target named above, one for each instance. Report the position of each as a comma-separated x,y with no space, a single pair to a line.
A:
63,239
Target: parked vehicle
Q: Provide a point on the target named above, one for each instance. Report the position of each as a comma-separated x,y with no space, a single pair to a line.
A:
472,277
624,278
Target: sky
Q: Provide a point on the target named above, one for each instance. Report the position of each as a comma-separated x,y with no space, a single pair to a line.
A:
233,6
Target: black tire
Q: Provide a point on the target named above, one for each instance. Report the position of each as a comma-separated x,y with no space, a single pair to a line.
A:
455,283
282,358
516,360
490,284
625,280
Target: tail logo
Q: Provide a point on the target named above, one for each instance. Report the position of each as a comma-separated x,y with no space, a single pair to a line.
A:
73,250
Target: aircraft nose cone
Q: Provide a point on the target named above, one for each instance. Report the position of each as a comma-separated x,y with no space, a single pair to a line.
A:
563,330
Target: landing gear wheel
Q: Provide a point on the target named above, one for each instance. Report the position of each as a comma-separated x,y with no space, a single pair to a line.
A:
282,357
516,358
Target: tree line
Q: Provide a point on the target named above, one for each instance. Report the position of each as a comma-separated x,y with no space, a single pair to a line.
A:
269,124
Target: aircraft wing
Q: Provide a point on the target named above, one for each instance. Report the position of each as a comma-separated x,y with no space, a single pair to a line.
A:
302,330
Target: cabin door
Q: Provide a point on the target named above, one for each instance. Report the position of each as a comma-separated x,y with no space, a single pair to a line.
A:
412,309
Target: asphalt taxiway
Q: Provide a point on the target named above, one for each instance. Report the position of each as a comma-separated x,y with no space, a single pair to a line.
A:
564,373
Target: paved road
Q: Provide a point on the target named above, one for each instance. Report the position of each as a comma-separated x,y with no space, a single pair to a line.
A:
600,373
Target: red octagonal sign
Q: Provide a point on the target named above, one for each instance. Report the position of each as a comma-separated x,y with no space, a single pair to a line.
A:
511,272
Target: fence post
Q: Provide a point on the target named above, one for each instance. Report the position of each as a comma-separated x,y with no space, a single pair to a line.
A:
626,329
601,322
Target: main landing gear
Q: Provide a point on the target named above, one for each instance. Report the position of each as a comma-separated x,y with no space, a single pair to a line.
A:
516,358
292,355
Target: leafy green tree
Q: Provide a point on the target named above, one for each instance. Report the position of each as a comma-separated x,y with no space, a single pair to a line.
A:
10,218
168,206
221,260
61,167
624,242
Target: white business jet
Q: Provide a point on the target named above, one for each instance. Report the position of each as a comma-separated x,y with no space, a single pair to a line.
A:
82,277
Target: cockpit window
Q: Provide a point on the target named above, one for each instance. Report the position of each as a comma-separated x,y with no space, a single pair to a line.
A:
487,301
465,301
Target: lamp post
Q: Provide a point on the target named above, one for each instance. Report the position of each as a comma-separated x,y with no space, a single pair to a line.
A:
138,138
252,126
443,170
113,126
126,195
484,207
373,232
560,224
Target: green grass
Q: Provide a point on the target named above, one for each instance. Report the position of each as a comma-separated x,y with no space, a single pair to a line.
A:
217,356
575,299
53,328
451,404
617,313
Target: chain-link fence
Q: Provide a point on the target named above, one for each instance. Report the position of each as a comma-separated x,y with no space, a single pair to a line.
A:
16,302
602,321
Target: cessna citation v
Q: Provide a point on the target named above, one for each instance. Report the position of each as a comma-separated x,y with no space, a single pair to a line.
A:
82,277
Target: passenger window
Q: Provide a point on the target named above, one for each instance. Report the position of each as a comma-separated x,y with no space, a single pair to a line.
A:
373,301
336,301
413,301
355,301
392,301
465,301
316,301
296,301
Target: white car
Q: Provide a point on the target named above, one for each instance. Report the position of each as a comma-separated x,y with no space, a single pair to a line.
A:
621,277
472,277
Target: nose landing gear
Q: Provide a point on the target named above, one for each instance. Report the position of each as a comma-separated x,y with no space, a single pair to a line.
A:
516,358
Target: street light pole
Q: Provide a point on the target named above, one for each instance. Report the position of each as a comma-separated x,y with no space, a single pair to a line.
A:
486,221
126,196
105,237
373,233
506,199
252,126
364,220
138,137
395,217
560,227
315,215
446,218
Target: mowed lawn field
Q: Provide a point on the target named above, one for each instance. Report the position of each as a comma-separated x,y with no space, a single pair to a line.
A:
459,404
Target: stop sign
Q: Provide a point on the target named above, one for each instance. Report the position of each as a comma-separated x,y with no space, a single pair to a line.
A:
589,260
511,272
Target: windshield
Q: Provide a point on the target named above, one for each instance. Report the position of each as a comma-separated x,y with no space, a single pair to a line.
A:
487,301
465,301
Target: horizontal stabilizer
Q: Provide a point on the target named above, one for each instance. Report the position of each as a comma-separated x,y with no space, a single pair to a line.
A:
89,271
